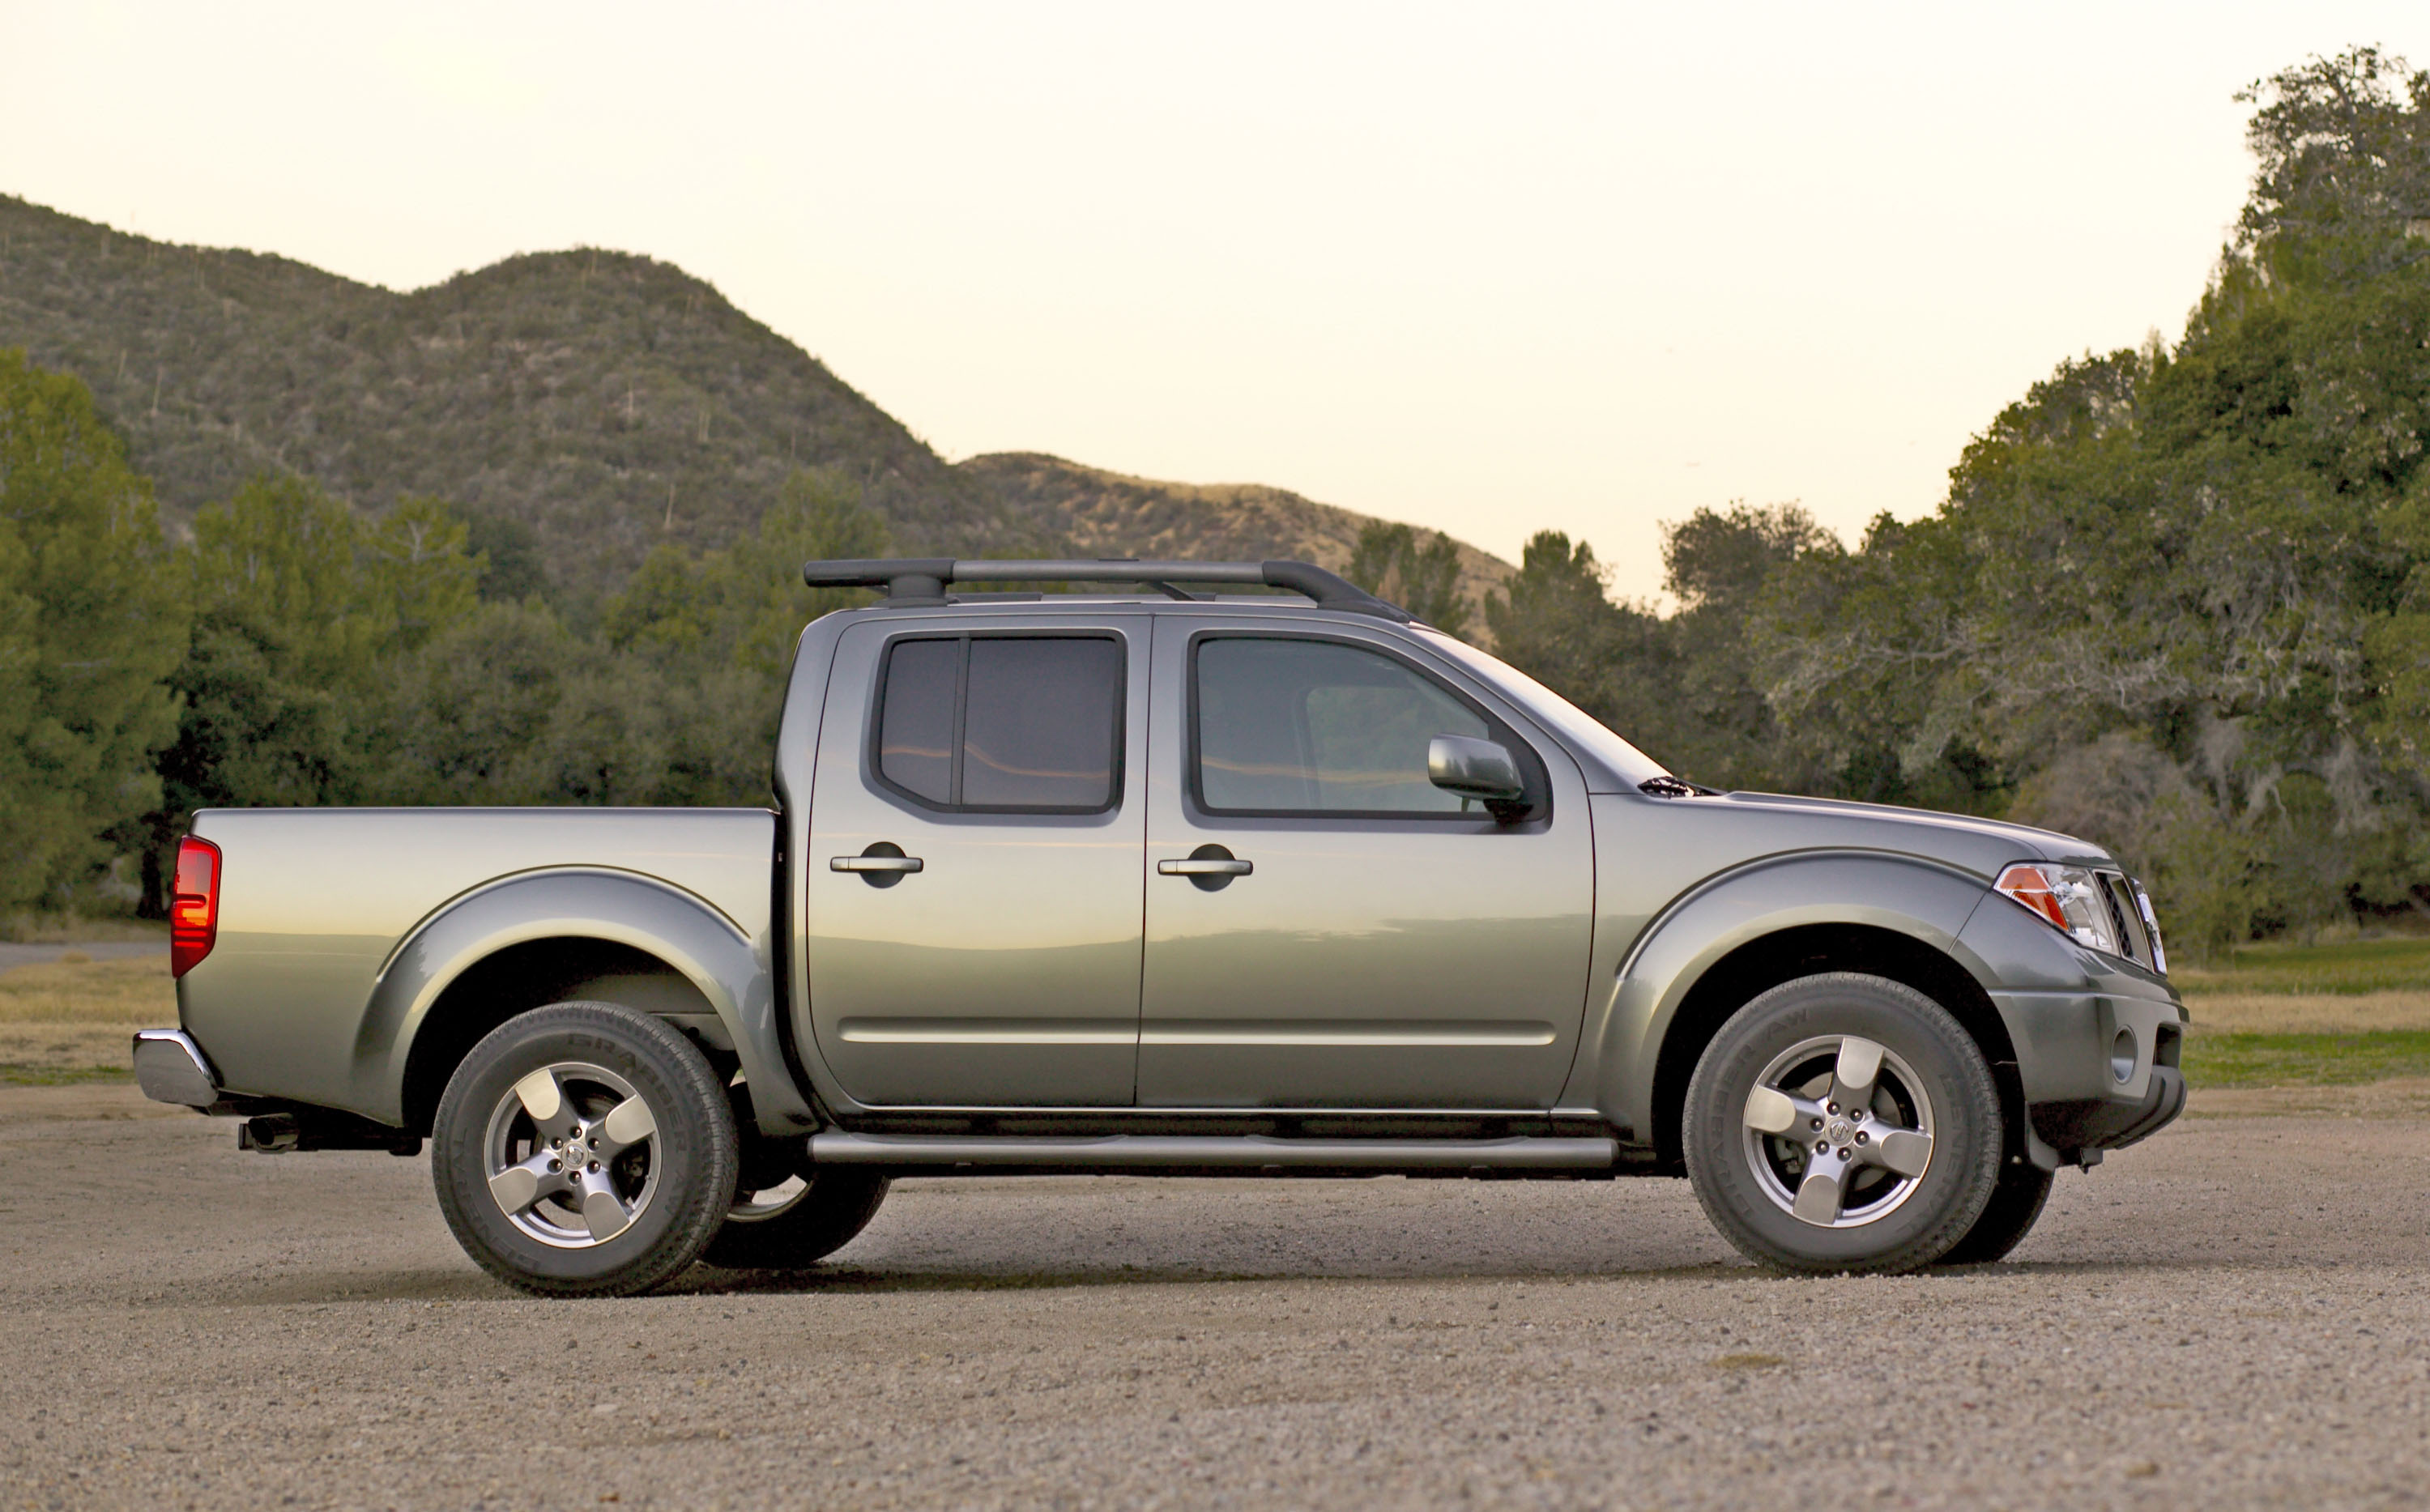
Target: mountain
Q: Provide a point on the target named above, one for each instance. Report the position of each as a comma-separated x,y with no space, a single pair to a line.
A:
1109,514
609,402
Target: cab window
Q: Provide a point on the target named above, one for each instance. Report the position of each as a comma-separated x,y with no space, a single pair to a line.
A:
1002,724
1320,727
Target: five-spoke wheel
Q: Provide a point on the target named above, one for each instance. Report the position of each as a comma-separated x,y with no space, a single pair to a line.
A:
569,1149
1839,1130
582,1149
1842,1123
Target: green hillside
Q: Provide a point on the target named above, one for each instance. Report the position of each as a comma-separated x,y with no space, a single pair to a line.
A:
1111,514
610,402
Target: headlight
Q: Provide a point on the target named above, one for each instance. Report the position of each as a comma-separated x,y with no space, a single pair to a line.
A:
2151,928
2072,898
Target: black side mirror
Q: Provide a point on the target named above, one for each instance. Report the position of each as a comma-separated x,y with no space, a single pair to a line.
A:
1478,769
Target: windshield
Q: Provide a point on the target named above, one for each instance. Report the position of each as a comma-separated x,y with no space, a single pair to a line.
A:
1571,723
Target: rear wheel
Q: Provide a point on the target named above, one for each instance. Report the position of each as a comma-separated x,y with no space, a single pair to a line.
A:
2016,1203
797,1224
584,1149
1844,1123
787,1213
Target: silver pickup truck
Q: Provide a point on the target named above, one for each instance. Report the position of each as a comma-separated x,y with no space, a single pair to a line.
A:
1169,883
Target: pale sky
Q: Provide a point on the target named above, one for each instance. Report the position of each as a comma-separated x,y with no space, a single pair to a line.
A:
1491,268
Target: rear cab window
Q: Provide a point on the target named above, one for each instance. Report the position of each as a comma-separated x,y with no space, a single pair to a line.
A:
1002,724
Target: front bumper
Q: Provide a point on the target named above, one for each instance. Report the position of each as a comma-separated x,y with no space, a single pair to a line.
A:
2097,1040
2111,1124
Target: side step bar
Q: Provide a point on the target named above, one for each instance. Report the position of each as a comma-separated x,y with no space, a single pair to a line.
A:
1241,1152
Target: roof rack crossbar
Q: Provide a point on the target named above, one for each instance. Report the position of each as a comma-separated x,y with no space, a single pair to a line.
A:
923,579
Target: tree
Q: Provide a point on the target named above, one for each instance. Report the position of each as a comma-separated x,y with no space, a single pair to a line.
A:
1554,621
301,608
1424,580
2343,161
90,625
744,604
1717,564
2218,554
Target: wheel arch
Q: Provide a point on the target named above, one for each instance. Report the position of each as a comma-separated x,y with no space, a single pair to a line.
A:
548,937
1712,948
1761,964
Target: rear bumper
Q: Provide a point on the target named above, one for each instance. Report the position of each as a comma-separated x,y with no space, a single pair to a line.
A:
171,1068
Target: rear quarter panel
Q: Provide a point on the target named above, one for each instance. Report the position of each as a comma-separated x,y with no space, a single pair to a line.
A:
317,906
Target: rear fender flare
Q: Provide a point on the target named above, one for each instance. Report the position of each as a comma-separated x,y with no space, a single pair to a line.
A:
730,970
1926,902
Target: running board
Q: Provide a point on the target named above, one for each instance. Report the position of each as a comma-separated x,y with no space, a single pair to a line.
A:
1244,1153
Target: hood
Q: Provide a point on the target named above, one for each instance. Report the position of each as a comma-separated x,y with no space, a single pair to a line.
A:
1965,833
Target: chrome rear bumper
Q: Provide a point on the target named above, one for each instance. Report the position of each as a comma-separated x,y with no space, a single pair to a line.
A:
170,1067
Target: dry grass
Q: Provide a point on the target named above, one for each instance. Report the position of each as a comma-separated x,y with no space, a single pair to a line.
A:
60,928
2396,1096
2394,963
2308,1013
70,1020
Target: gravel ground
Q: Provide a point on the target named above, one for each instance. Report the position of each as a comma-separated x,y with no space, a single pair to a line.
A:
2232,1315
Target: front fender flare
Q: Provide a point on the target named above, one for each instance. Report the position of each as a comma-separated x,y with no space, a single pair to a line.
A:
730,970
1922,900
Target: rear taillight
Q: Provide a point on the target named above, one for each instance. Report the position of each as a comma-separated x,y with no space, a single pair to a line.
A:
193,905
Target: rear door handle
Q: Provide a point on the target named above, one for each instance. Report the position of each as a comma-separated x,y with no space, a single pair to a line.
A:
1212,867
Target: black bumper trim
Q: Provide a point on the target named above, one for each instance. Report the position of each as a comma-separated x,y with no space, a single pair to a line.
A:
2102,1124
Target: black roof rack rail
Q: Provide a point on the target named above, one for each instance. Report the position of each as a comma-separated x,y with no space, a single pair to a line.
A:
912,580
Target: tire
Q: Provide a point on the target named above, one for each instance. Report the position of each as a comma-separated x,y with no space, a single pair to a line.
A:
643,1191
1844,1123
788,1214
800,1227
2017,1200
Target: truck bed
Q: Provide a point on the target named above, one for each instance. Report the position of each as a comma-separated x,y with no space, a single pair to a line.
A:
307,987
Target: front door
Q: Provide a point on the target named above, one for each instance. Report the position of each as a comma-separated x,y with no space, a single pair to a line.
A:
973,936
1388,944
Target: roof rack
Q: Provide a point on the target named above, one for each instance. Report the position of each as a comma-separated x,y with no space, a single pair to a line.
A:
921,580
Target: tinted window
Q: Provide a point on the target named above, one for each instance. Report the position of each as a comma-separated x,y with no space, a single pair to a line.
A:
1040,727
1003,723
915,745
1313,727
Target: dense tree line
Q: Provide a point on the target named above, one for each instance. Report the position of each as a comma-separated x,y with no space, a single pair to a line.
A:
2177,601
295,652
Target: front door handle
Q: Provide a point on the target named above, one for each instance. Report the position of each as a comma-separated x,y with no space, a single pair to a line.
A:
881,865
1210,867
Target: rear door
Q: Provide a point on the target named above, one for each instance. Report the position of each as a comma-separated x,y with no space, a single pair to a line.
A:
974,895
1389,945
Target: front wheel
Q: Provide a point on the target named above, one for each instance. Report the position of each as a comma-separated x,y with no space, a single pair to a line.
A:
2016,1204
584,1150
1844,1123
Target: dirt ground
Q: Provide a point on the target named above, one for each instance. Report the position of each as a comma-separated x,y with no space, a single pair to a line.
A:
2236,1314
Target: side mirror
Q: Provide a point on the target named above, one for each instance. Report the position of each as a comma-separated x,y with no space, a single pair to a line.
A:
1475,769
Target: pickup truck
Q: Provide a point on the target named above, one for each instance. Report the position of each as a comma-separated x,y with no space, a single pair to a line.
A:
1167,882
